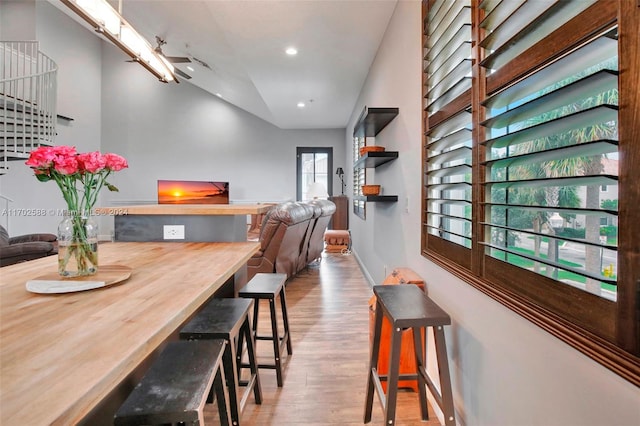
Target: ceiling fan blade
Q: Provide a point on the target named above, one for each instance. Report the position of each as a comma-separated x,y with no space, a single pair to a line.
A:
178,59
182,74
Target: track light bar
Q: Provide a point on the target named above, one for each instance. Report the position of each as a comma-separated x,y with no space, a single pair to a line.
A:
110,23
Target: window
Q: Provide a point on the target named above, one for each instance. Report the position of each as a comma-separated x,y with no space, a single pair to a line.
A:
313,165
359,178
523,133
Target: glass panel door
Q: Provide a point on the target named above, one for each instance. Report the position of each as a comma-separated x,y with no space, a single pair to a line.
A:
314,165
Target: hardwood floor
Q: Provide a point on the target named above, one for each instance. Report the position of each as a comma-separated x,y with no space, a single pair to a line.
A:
325,378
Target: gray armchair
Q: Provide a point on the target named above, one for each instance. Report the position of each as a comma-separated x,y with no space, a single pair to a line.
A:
25,247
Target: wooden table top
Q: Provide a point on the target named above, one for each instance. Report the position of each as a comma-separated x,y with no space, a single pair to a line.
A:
60,355
186,209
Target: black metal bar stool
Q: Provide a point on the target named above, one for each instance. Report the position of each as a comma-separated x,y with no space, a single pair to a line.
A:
270,286
228,319
408,307
176,386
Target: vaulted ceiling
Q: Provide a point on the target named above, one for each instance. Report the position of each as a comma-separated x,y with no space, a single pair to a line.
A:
237,50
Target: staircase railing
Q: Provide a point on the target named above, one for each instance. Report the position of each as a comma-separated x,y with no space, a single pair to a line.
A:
28,89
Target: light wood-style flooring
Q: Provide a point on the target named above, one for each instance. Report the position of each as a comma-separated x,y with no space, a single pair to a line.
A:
325,378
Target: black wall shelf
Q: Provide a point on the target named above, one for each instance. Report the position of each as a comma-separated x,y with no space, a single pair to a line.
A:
379,198
373,120
375,159
64,117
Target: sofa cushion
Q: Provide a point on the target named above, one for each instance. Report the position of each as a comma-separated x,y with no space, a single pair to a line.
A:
4,237
25,247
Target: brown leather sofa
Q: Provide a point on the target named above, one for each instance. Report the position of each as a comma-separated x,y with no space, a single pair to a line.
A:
25,247
323,214
285,237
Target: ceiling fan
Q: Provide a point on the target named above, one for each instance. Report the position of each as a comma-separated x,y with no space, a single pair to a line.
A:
173,59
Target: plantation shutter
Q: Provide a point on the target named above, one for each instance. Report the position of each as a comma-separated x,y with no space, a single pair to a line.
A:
551,145
448,137
530,150
359,178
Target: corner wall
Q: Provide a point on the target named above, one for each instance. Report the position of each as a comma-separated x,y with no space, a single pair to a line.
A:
505,371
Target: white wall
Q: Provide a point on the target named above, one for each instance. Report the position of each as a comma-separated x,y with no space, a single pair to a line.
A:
177,131
505,370
166,131
79,78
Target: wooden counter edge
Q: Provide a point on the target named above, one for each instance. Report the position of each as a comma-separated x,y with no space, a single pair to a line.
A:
185,209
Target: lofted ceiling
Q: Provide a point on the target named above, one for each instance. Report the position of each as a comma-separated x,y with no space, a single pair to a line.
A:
243,44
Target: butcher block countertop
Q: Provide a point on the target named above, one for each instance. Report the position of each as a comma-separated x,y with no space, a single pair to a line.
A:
61,354
186,209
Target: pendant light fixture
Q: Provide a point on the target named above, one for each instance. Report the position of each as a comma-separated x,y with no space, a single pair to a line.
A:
110,23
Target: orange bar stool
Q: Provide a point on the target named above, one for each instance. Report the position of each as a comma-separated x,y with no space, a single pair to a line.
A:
407,307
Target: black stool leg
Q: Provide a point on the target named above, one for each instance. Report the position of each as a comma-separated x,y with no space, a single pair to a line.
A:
445,380
276,341
256,309
420,367
239,352
285,320
253,362
231,375
373,364
392,378
222,396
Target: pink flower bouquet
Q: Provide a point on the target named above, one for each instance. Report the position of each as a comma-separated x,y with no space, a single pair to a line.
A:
80,177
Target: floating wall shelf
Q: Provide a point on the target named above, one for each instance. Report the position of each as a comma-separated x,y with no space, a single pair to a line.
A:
375,159
373,120
378,198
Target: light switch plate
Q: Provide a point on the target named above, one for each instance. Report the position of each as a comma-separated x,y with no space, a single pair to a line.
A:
174,232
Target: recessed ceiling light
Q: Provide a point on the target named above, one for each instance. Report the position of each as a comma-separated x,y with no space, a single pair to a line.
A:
190,68
300,104
291,51
218,95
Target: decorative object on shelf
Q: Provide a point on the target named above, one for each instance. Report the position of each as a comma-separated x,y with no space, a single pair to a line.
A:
80,177
370,189
340,173
371,148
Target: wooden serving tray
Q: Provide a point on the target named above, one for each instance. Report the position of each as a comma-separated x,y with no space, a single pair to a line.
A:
53,283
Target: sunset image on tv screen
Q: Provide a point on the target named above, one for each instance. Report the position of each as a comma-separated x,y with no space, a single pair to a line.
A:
192,192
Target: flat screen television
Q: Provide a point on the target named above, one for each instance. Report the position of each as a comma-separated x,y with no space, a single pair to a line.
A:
192,192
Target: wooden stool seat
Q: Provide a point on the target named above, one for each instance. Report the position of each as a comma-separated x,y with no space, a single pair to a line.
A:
176,386
406,306
270,286
399,276
228,319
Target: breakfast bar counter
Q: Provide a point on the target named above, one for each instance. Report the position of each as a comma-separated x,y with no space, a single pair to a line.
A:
187,222
61,355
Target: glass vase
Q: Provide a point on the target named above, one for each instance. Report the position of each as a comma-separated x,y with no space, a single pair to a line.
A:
77,246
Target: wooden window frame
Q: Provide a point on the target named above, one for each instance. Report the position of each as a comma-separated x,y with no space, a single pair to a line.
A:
608,332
